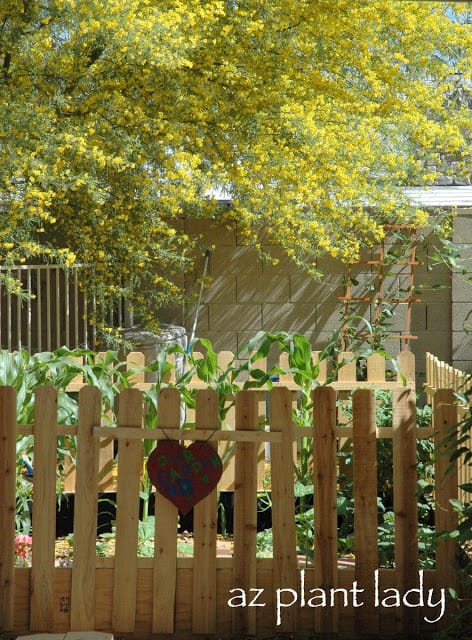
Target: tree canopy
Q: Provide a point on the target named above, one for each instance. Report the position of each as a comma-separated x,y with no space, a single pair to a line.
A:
121,118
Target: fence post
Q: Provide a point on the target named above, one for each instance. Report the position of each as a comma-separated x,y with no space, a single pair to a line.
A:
82,616
166,524
7,505
405,501
245,511
44,509
204,523
130,466
444,421
325,503
365,504
285,571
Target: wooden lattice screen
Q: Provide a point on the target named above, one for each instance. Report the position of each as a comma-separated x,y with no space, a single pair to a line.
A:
392,254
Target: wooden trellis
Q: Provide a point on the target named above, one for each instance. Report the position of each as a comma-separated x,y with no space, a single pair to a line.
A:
379,296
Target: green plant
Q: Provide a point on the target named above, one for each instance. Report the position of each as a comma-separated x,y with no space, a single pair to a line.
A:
460,453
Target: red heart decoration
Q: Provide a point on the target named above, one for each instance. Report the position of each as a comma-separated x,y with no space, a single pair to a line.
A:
184,475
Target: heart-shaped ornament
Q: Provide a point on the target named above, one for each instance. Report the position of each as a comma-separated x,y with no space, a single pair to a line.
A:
184,475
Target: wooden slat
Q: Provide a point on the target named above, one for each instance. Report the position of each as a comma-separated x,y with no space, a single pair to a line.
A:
44,509
166,524
376,368
404,500
406,364
285,574
85,513
347,367
7,505
204,522
444,420
325,503
130,460
245,512
135,360
365,504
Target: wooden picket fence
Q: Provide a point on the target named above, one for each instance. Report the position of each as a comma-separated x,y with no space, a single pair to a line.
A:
208,594
441,375
378,374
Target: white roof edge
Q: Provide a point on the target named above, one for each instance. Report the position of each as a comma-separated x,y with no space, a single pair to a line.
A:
440,196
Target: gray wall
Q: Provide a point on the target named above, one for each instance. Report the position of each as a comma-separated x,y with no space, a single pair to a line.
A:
246,295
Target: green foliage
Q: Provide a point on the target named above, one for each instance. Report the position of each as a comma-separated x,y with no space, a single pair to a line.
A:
122,120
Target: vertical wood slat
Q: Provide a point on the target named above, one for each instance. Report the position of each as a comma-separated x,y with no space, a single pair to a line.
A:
135,359
284,563
325,503
365,504
404,501
204,522
376,368
347,367
85,512
44,515
245,511
106,446
406,364
446,481
7,505
166,523
130,461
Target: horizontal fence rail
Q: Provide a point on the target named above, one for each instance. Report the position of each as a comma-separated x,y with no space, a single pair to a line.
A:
205,594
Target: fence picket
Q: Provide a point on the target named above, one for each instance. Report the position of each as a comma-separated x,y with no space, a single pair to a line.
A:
376,368
204,522
165,539
325,503
444,420
347,367
285,572
245,511
365,504
130,463
44,509
82,615
7,505
404,500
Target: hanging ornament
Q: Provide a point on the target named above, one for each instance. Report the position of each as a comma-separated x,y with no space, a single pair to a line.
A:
184,475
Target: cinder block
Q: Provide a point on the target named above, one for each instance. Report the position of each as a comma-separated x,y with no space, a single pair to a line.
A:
267,287
285,264
463,226
462,287
203,322
221,289
327,265
236,261
438,316
289,317
436,342
462,350
212,233
235,317
222,340
305,289
462,317
331,316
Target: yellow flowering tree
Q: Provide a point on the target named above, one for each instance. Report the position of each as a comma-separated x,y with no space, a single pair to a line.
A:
120,118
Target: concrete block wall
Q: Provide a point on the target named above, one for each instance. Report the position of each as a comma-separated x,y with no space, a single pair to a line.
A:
461,308
246,294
